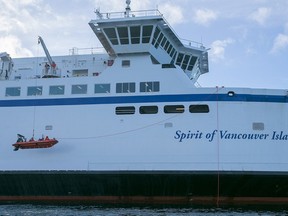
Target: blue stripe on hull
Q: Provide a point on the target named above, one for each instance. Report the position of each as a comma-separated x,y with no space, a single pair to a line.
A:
144,99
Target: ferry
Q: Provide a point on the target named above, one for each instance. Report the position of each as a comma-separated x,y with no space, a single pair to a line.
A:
130,125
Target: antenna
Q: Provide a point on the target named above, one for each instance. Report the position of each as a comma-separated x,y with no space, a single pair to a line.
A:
98,14
128,9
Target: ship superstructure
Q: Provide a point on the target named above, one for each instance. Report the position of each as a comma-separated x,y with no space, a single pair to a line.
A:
132,127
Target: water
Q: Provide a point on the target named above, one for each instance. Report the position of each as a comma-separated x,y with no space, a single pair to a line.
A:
34,210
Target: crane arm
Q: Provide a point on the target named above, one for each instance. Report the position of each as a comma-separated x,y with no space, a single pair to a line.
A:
51,62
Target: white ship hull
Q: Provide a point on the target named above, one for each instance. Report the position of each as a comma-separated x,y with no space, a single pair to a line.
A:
132,127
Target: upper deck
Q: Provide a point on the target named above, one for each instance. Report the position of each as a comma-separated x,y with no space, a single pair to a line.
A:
122,34
147,31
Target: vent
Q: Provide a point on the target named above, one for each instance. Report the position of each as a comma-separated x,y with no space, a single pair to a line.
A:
258,126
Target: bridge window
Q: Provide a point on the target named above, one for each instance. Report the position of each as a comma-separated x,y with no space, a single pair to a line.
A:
125,87
34,90
156,33
192,63
174,109
185,62
179,59
102,88
127,110
79,89
203,108
148,109
159,40
123,35
12,91
163,42
149,87
135,34
56,90
111,34
146,34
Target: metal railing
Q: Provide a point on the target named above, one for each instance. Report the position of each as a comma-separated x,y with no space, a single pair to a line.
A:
117,15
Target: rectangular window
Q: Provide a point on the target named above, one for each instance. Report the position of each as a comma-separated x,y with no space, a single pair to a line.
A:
135,34
125,87
79,89
199,108
127,110
148,109
149,86
34,90
111,34
56,90
174,109
102,88
159,40
179,59
192,63
12,91
146,34
123,35
156,33
185,62
125,63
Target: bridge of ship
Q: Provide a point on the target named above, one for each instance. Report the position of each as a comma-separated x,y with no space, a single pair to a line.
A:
148,32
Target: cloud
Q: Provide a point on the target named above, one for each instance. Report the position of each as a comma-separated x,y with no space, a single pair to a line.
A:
218,49
14,47
172,13
205,16
280,43
261,15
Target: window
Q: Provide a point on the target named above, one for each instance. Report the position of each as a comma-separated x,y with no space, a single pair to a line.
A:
149,87
80,72
111,34
56,90
127,110
102,88
12,91
123,35
199,109
79,89
192,63
174,109
126,63
146,34
159,40
156,33
135,34
179,59
148,109
34,90
185,62
125,87
163,41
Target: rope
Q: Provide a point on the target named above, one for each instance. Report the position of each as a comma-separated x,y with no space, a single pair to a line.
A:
218,149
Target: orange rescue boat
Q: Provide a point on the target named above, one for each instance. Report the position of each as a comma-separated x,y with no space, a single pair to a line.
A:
32,144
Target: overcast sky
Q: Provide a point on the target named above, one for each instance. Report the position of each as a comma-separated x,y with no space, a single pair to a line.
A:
248,38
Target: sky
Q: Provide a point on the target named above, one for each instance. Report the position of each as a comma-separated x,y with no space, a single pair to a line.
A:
248,39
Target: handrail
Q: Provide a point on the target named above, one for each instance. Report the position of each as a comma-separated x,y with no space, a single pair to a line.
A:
140,13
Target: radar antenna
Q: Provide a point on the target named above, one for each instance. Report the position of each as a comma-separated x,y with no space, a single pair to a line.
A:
128,9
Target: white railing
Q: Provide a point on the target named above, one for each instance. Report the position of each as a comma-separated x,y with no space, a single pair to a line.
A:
81,51
117,15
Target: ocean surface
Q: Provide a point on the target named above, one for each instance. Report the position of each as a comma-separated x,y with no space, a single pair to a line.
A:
45,210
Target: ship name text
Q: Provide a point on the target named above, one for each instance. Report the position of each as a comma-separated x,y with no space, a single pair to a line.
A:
227,135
